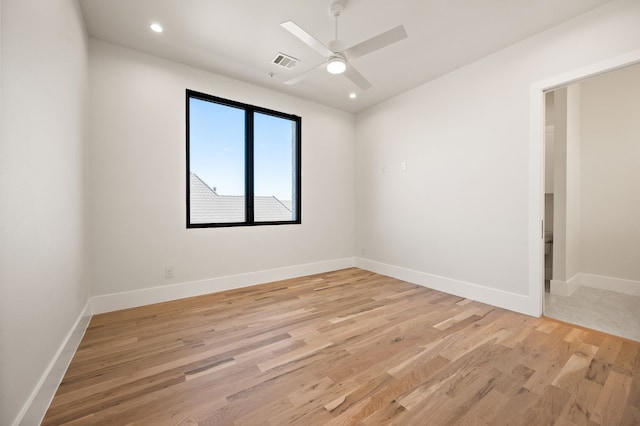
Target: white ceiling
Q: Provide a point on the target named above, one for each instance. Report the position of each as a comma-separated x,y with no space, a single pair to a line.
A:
240,38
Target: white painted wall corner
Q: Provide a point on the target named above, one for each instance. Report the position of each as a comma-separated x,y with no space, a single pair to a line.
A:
36,406
565,288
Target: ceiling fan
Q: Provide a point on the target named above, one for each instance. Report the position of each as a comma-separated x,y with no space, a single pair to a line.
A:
338,57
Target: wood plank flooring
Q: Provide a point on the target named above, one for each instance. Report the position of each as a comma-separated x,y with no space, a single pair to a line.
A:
344,348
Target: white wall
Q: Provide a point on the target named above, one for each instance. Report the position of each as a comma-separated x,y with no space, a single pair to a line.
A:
559,276
549,142
43,261
611,174
573,180
137,163
566,189
459,215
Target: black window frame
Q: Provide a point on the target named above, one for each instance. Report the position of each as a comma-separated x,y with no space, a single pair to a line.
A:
249,111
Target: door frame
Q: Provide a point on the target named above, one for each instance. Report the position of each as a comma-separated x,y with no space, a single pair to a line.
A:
536,163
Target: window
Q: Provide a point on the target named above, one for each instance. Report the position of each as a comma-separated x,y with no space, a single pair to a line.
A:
243,164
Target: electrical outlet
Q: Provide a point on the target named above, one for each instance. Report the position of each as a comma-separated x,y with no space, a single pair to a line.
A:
403,165
168,272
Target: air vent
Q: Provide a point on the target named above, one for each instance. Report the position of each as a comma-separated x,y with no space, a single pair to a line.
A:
285,61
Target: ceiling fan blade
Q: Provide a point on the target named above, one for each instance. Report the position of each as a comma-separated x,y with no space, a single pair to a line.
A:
307,38
303,75
356,78
378,42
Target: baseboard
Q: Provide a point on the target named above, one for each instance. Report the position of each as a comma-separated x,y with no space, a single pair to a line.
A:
35,408
619,285
512,301
148,296
566,288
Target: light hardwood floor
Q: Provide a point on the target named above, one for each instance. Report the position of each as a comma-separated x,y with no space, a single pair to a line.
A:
344,348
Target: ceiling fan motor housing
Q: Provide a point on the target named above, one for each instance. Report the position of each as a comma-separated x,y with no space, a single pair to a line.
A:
336,46
336,9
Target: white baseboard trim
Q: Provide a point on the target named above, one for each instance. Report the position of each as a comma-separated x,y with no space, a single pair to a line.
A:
512,301
619,285
36,406
148,296
566,288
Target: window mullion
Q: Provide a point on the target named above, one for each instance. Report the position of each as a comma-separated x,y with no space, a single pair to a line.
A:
249,135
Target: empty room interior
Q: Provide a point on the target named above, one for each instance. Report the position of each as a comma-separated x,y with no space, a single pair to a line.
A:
319,212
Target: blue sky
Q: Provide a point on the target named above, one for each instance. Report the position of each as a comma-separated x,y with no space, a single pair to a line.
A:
217,150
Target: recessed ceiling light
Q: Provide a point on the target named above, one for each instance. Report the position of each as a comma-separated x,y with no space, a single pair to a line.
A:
352,95
156,27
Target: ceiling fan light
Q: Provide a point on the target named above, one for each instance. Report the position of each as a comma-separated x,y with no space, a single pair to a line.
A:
336,65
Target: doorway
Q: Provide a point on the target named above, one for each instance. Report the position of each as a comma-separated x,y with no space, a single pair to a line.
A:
591,203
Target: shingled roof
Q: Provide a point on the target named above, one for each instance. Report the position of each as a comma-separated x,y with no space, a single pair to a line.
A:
207,206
